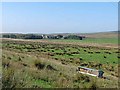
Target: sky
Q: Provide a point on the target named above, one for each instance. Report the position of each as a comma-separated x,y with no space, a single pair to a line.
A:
59,17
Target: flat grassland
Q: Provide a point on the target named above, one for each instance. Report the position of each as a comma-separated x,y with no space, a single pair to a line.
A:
53,63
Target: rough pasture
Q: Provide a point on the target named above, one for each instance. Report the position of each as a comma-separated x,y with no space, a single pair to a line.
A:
60,60
66,52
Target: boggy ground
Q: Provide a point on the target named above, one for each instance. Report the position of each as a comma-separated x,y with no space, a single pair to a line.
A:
31,63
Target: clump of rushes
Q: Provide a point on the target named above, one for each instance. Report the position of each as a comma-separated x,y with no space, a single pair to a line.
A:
39,64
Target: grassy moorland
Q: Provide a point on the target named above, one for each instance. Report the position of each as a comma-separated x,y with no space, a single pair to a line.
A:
53,63
94,40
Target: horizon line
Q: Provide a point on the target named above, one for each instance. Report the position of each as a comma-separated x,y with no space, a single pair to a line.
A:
57,32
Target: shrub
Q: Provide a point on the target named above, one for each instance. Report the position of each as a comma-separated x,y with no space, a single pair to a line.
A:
81,78
105,57
93,86
9,58
49,67
63,62
80,58
56,58
19,59
13,79
5,64
39,64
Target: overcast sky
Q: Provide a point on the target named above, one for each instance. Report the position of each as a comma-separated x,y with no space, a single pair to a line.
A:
66,17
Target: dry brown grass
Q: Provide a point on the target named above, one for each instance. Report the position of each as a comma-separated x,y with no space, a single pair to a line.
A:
96,45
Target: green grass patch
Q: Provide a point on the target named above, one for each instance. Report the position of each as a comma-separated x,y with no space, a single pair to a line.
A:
90,40
42,83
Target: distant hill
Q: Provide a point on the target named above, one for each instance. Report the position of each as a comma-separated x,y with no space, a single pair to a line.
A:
109,34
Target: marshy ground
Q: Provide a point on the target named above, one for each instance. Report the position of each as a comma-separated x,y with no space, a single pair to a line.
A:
53,63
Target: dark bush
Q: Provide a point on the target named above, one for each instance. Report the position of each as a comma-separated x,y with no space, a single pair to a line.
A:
49,67
105,57
39,65
73,37
80,58
84,64
19,59
5,64
93,86
97,52
56,58
118,56
24,64
85,50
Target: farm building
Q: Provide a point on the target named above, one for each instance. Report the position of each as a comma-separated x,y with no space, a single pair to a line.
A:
89,71
44,36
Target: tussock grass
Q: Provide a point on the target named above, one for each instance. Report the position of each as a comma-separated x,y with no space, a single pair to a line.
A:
31,65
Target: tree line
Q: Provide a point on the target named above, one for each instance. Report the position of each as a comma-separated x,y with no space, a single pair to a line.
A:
37,36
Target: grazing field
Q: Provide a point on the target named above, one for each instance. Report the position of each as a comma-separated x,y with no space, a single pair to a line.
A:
53,63
113,40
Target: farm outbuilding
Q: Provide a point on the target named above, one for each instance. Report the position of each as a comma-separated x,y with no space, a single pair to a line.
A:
89,71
